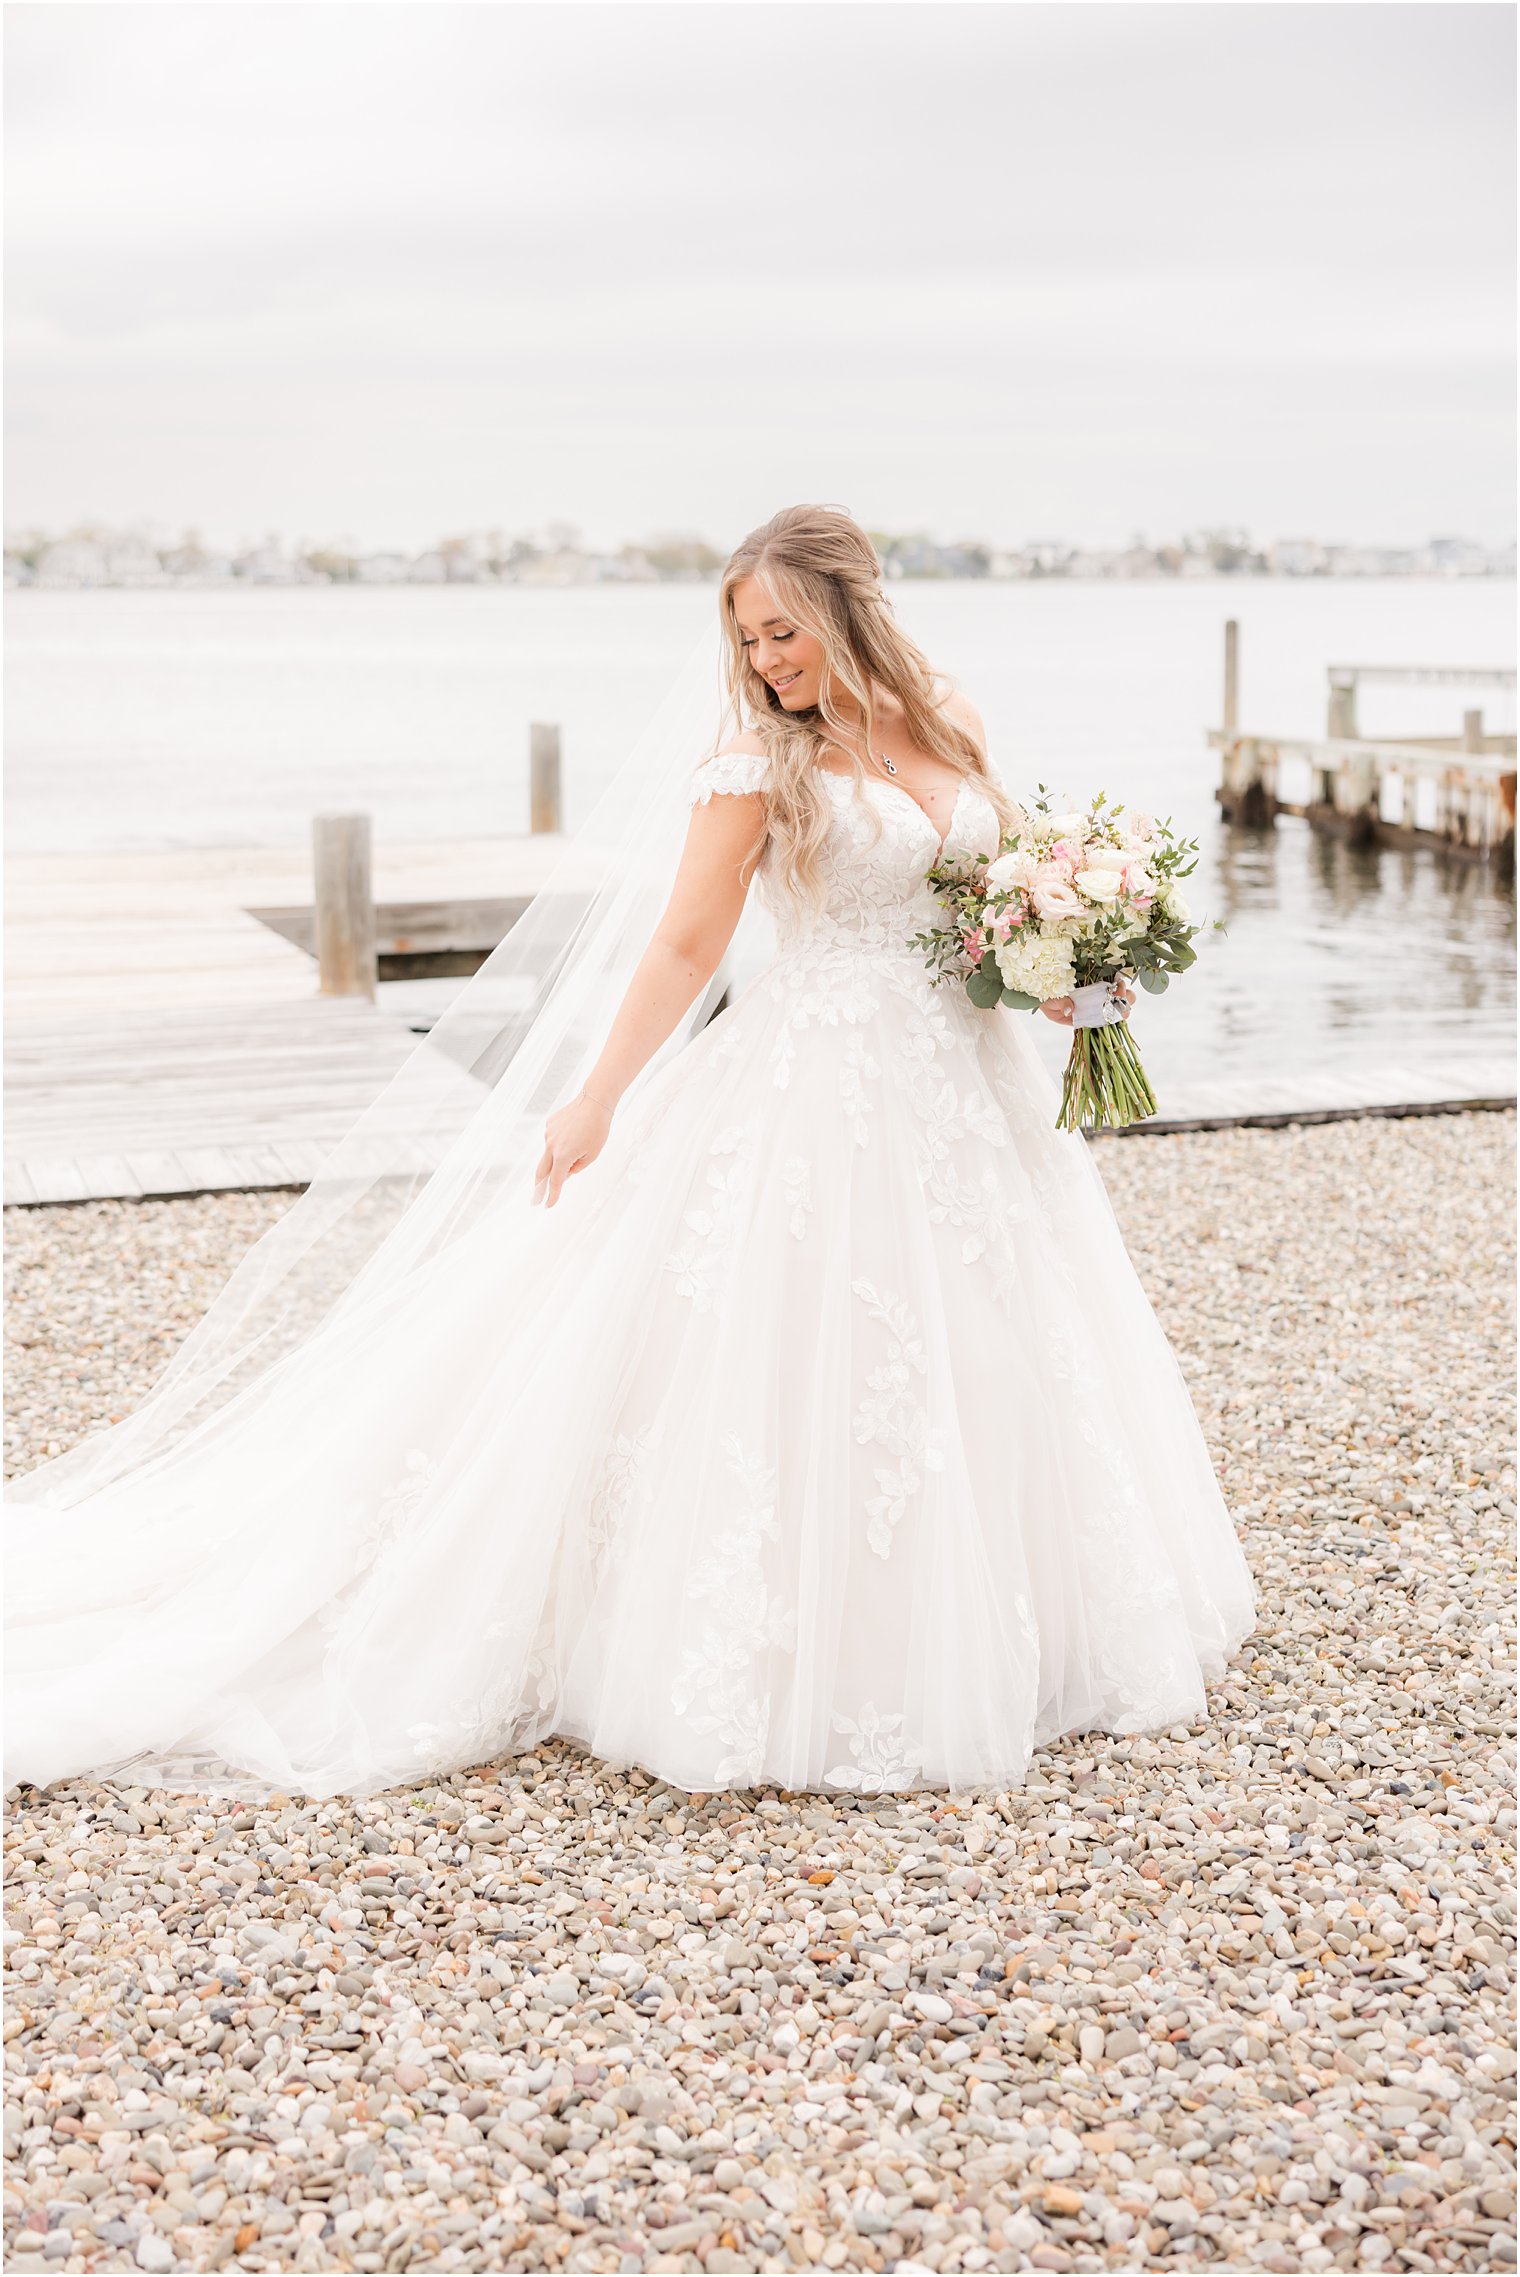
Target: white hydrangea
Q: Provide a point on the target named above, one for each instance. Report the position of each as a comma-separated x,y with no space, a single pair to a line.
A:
1037,964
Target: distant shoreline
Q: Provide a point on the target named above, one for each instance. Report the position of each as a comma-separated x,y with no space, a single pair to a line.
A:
94,556
1225,577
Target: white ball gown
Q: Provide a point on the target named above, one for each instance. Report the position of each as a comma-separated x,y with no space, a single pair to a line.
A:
821,1436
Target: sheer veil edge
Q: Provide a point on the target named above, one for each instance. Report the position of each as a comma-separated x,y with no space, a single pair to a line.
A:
456,1131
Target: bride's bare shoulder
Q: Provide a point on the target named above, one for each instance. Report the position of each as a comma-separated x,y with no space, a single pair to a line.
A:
957,706
748,745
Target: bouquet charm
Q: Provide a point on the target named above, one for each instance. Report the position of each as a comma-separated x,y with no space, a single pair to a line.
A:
1073,904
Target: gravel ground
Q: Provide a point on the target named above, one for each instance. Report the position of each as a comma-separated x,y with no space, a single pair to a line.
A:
1234,1997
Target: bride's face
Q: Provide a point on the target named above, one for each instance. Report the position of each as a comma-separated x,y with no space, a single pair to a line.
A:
780,651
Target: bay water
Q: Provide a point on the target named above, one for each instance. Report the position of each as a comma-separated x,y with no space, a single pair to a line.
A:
181,717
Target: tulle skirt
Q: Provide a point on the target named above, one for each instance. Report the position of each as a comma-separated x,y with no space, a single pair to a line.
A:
822,1436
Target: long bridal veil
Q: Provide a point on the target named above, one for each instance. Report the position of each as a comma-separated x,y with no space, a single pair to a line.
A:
454,1135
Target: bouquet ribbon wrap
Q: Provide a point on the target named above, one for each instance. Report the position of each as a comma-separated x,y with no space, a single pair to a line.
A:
1097,1005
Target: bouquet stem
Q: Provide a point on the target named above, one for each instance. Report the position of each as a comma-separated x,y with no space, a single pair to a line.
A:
1105,1084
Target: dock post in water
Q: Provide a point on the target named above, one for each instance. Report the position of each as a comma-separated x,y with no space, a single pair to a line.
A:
1231,720
344,904
544,771
1247,782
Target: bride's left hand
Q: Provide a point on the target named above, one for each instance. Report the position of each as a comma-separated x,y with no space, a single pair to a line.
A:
1061,1008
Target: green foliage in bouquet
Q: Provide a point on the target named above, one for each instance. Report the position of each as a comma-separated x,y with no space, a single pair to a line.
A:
1073,899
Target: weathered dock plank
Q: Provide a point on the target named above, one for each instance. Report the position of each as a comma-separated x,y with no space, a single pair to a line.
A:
188,1100
84,932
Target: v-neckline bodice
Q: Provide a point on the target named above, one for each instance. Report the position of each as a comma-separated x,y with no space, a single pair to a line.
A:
881,783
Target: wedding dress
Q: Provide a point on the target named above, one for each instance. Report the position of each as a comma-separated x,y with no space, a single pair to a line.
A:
822,1435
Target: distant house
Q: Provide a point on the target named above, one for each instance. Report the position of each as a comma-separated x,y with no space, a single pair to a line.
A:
192,565
564,566
1460,557
130,560
267,565
73,561
1296,557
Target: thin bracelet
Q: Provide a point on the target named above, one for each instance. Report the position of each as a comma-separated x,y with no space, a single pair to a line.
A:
606,1110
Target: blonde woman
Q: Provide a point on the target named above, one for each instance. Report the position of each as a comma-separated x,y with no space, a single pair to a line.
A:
933,1491
813,1431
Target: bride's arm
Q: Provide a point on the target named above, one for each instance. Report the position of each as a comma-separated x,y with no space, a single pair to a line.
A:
706,902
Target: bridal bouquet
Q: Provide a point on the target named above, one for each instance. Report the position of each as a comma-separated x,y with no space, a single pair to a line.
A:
1070,905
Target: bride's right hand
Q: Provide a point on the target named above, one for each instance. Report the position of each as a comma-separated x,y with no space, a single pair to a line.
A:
574,1135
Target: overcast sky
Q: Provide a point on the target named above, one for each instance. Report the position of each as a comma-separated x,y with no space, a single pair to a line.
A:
1009,270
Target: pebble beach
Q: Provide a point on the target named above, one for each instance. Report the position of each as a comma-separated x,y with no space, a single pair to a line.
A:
1235,1996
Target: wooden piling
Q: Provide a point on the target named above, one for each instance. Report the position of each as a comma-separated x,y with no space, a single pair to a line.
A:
1247,791
544,771
1340,722
344,904
1231,720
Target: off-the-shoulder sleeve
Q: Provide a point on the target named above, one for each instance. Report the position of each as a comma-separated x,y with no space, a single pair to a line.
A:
735,771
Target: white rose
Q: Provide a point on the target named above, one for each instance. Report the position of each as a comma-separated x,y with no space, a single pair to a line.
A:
1068,825
1174,905
1097,884
1010,871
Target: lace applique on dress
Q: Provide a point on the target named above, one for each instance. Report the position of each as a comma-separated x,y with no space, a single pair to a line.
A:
623,1486
399,1505
857,1069
733,771
891,1416
883,1760
711,1225
797,1185
717,1685
512,1711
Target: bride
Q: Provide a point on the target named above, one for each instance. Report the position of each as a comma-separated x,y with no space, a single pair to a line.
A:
799,1420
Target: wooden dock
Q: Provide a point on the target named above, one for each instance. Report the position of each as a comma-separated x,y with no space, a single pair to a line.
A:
1454,794
163,1039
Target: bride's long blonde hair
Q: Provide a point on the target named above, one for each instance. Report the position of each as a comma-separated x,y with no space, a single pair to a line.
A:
820,568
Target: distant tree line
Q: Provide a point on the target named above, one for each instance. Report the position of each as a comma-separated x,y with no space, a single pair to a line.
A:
556,555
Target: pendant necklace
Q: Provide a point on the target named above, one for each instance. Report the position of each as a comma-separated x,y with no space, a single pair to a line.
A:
889,764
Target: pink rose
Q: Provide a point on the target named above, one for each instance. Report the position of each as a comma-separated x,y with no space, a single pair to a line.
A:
1058,898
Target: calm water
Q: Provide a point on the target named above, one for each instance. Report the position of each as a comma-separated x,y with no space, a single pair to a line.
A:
200,718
